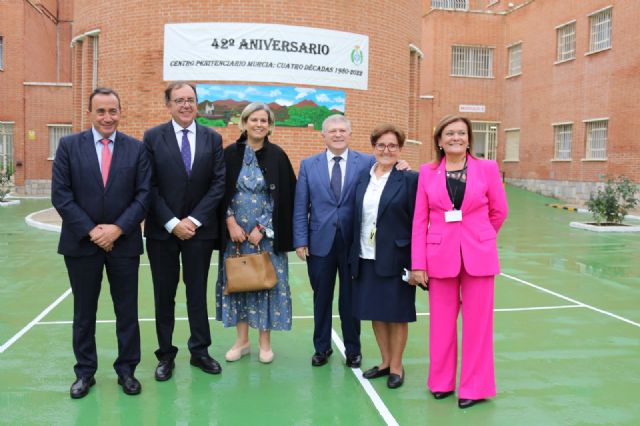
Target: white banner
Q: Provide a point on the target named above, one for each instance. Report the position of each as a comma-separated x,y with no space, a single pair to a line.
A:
266,53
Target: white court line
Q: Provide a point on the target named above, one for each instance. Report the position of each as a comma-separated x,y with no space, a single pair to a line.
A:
33,322
568,299
371,392
307,317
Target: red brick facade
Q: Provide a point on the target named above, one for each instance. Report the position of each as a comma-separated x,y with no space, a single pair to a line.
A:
35,82
604,84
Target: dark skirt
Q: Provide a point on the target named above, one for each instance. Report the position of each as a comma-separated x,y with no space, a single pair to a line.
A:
387,299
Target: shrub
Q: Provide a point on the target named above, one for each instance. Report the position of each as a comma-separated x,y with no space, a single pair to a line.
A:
5,184
611,203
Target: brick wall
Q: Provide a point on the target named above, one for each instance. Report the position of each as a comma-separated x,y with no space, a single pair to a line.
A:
131,51
603,84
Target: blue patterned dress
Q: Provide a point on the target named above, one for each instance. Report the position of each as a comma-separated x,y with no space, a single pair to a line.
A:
252,204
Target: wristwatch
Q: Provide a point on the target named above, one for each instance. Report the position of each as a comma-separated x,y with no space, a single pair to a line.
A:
261,229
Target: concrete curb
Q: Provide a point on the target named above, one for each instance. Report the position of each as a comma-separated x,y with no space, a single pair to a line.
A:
41,225
608,229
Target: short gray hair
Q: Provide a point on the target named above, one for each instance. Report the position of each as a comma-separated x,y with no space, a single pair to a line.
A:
253,107
335,118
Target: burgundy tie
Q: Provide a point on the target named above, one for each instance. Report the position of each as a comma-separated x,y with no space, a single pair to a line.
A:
106,160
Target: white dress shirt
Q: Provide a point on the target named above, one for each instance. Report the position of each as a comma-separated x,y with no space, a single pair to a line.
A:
343,164
370,205
171,224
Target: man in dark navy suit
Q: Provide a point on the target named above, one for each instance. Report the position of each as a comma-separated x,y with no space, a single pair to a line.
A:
100,188
187,186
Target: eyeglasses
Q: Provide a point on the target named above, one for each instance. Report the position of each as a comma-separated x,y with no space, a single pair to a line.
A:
183,101
392,147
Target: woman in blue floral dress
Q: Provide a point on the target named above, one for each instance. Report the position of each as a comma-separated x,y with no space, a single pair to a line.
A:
257,208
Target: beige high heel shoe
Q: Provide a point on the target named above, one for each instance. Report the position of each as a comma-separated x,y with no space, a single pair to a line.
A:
237,353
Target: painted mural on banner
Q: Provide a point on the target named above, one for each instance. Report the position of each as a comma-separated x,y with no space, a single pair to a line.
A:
266,53
221,104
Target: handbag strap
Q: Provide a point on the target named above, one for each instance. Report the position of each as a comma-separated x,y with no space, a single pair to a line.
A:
238,249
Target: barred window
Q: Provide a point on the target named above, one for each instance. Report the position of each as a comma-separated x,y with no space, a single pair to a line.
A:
563,134
515,60
566,35
450,4
56,132
471,61
600,36
597,136
1,53
512,146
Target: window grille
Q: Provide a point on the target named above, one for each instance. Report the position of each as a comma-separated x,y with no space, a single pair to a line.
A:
56,132
597,135
600,37
450,4
515,59
512,146
563,134
566,42
470,61
1,53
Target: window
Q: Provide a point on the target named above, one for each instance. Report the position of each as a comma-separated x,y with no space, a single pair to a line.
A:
515,60
512,146
450,4
597,135
94,63
566,35
470,61
600,36
56,132
6,147
563,134
485,139
1,53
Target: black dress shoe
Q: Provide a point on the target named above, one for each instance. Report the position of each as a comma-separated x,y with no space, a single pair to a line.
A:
354,361
468,403
441,395
80,388
395,380
206,364
321,358
164,370
130,385
375,372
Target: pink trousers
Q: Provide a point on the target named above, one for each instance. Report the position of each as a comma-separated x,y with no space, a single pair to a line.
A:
477,377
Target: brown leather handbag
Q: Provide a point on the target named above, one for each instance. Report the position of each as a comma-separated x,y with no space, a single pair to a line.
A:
249,272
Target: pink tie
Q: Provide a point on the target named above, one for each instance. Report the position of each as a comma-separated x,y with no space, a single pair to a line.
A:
106,160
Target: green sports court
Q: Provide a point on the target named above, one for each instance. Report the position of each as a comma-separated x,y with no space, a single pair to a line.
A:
567,343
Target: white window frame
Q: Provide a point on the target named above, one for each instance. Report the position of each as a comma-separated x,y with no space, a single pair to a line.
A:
511,145
596,139
1,53
472,61
489,130
56,132
562,141
514,53
94,61
450,4
600,30
566,42
6,145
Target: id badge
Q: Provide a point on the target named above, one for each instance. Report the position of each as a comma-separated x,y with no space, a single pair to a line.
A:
453,216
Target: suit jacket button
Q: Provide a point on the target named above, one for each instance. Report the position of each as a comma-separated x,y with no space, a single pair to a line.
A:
272,186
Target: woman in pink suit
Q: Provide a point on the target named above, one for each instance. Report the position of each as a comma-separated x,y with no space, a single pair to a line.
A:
460,207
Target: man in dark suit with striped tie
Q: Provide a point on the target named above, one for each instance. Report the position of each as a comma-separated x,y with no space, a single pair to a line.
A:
187,186
100,187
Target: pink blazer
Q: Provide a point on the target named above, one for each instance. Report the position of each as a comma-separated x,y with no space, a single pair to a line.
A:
440,247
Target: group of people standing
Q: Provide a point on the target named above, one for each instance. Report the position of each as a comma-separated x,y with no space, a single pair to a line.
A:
366,218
